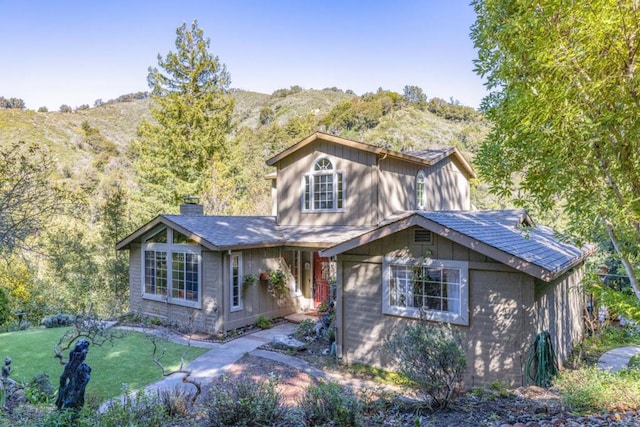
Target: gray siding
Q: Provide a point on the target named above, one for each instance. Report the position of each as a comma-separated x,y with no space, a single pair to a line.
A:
507,308
374,187
214,315
257,300
559,309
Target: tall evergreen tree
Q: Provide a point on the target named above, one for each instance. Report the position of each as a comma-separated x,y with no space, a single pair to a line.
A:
191,111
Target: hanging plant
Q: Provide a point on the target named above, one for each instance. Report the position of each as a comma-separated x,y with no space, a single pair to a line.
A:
277,283
247,281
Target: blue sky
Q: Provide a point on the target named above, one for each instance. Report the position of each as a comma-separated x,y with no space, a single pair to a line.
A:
74,52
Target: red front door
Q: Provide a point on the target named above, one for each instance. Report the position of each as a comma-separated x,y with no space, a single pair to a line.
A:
321,277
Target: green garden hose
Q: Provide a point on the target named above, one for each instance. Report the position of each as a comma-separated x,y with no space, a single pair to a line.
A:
541,364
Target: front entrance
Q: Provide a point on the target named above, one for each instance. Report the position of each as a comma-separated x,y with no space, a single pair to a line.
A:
321,279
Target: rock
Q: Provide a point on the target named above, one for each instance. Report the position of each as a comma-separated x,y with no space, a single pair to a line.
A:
285,342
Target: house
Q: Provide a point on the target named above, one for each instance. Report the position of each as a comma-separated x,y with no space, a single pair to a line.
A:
387,234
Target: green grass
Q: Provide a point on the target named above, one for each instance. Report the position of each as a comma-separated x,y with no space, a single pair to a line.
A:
127,360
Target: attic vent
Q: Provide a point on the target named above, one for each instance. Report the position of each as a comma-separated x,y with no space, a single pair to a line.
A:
422,236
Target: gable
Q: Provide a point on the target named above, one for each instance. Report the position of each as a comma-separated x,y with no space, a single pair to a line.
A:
535,251
425,157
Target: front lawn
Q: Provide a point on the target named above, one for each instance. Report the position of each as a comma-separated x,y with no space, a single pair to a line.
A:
127,360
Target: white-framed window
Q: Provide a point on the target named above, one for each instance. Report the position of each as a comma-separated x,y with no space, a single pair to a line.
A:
323,187
432,289
171,269
292,258
421,190
235,281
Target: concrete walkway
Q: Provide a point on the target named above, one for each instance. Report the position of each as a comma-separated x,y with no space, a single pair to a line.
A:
618,358
218,359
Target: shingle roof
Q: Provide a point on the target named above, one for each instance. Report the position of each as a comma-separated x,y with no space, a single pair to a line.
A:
502,230
433,155
226,232
500,235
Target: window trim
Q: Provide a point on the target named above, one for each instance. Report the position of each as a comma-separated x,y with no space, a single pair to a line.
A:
338,182
169,249
240,305
461,318
421,194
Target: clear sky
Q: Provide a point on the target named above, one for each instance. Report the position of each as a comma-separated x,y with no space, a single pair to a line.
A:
74,52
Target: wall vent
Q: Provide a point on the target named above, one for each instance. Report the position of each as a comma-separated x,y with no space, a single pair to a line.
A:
422,236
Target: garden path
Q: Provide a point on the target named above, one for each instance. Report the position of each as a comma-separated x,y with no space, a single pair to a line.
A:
618,358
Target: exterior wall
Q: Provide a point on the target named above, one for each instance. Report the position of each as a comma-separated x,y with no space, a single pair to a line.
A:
446,186
214,316
501,325
359,180
203,319
559,309
374,187
256,300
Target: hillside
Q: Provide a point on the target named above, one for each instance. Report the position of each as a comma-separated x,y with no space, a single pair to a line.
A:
91,145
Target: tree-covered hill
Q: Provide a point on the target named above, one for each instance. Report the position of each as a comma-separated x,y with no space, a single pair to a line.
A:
89,141
84,163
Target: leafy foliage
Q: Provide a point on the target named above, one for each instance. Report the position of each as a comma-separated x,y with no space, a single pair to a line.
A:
15,103
432,357
330,404
245,403
563,101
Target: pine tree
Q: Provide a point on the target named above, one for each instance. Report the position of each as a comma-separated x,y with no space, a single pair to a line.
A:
191,112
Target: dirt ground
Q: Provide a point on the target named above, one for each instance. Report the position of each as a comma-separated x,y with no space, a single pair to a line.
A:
523,407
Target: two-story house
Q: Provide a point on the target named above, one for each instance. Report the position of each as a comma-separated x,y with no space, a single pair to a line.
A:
395,236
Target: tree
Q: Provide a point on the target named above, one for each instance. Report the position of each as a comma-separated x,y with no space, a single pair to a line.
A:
12,103
28,196
564,100
415,95
192,112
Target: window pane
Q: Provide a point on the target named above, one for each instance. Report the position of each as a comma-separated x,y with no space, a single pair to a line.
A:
340,195
235,281
433,288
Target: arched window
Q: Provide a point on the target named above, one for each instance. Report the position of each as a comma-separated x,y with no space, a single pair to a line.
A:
421,191
323,187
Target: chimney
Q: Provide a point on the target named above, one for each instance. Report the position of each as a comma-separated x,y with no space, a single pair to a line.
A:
191,206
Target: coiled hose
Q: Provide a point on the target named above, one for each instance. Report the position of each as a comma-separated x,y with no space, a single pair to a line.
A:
541,364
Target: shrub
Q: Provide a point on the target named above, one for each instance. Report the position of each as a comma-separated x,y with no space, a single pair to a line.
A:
176,402
141,409
245,403
306,328
330,404
432,357
58,320
263,323
40,389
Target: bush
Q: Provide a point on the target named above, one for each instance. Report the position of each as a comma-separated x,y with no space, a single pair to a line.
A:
263,323
58,320
141,409
330,404
306,328
245,403
432,357
40,389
